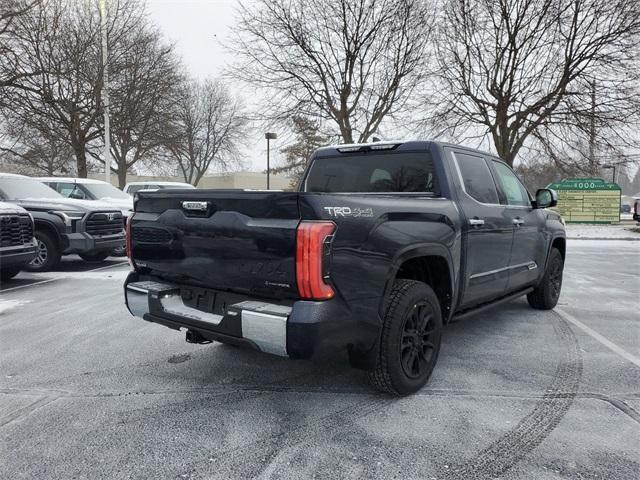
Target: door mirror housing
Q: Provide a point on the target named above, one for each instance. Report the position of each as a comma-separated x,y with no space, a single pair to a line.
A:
546,198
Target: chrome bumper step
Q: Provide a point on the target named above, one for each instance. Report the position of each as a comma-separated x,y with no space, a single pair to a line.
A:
263,323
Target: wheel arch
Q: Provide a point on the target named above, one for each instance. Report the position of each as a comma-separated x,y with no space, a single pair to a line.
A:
50,228
428,263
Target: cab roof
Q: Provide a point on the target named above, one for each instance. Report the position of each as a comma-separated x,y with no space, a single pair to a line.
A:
69,179
387,145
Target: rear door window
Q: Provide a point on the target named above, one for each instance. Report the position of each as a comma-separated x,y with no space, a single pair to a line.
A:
476,178
373,172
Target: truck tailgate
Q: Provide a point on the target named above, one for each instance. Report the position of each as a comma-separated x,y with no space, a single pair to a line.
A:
241,241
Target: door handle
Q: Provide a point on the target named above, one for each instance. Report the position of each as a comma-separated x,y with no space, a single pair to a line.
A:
518,221
476,222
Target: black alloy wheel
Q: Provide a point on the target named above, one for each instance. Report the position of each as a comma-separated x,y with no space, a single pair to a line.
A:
418,343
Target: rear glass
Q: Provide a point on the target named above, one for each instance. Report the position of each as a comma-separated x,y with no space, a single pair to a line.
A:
373,172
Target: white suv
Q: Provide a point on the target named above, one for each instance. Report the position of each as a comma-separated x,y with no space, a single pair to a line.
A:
134,187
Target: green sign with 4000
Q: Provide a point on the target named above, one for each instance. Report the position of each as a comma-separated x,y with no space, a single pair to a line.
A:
588,200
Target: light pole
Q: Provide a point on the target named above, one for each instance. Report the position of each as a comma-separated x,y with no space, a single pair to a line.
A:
612,167
105,92
269,136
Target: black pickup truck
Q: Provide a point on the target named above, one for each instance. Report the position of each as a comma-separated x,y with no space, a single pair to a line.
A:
381,245
63,225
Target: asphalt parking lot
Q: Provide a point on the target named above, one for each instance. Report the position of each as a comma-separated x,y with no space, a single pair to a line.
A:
86,391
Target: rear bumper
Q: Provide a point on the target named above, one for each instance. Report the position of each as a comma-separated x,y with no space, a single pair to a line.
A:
295,329
16,256
85,243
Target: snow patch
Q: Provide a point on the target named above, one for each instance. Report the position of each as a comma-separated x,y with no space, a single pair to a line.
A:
6,305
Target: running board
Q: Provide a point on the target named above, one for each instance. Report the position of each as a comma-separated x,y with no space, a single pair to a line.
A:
487,306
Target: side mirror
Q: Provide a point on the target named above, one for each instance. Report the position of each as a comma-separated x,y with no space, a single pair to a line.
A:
77,195
545,198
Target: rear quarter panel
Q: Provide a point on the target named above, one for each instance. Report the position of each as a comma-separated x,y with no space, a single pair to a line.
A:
374,234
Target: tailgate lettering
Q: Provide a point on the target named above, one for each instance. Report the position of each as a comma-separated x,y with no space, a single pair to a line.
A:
195,206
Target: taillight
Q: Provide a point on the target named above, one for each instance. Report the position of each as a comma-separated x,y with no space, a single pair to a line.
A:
310,254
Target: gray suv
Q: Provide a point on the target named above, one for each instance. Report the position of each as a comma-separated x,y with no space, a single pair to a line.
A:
64,226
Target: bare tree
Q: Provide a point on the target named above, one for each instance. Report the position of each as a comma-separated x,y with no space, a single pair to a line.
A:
593,129
60,40
143,77
509,68
35,149
206,129
352,63
10,72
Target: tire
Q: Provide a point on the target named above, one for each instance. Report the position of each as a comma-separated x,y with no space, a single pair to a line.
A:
407,354
48,253
94,257
545,296
8,273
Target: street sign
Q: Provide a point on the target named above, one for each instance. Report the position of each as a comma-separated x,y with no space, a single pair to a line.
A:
588,200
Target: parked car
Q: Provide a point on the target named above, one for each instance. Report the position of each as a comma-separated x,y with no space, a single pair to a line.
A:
63,225
134,187
17,245
90,189
382,245
636,209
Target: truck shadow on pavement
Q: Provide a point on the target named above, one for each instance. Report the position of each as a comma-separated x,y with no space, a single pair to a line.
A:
477,353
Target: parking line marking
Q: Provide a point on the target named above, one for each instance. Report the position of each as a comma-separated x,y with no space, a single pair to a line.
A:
119,264
28,285
54,279
592,333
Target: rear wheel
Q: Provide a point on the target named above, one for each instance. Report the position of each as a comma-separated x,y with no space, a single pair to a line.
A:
410,339
94,257
7,273
48,255
545,296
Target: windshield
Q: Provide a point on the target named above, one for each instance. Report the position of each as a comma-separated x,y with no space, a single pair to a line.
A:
17,188
373,172
104,190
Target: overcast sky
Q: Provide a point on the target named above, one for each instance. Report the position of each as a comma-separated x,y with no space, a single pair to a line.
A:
198,27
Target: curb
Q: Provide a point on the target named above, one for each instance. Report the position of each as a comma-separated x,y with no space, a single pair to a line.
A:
626,239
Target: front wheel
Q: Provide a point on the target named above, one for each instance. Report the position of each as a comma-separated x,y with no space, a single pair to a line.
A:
545,296
48,255
410,339
94,257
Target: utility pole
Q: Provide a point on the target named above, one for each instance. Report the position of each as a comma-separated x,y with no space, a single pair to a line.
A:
269,136
105,92
593,164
